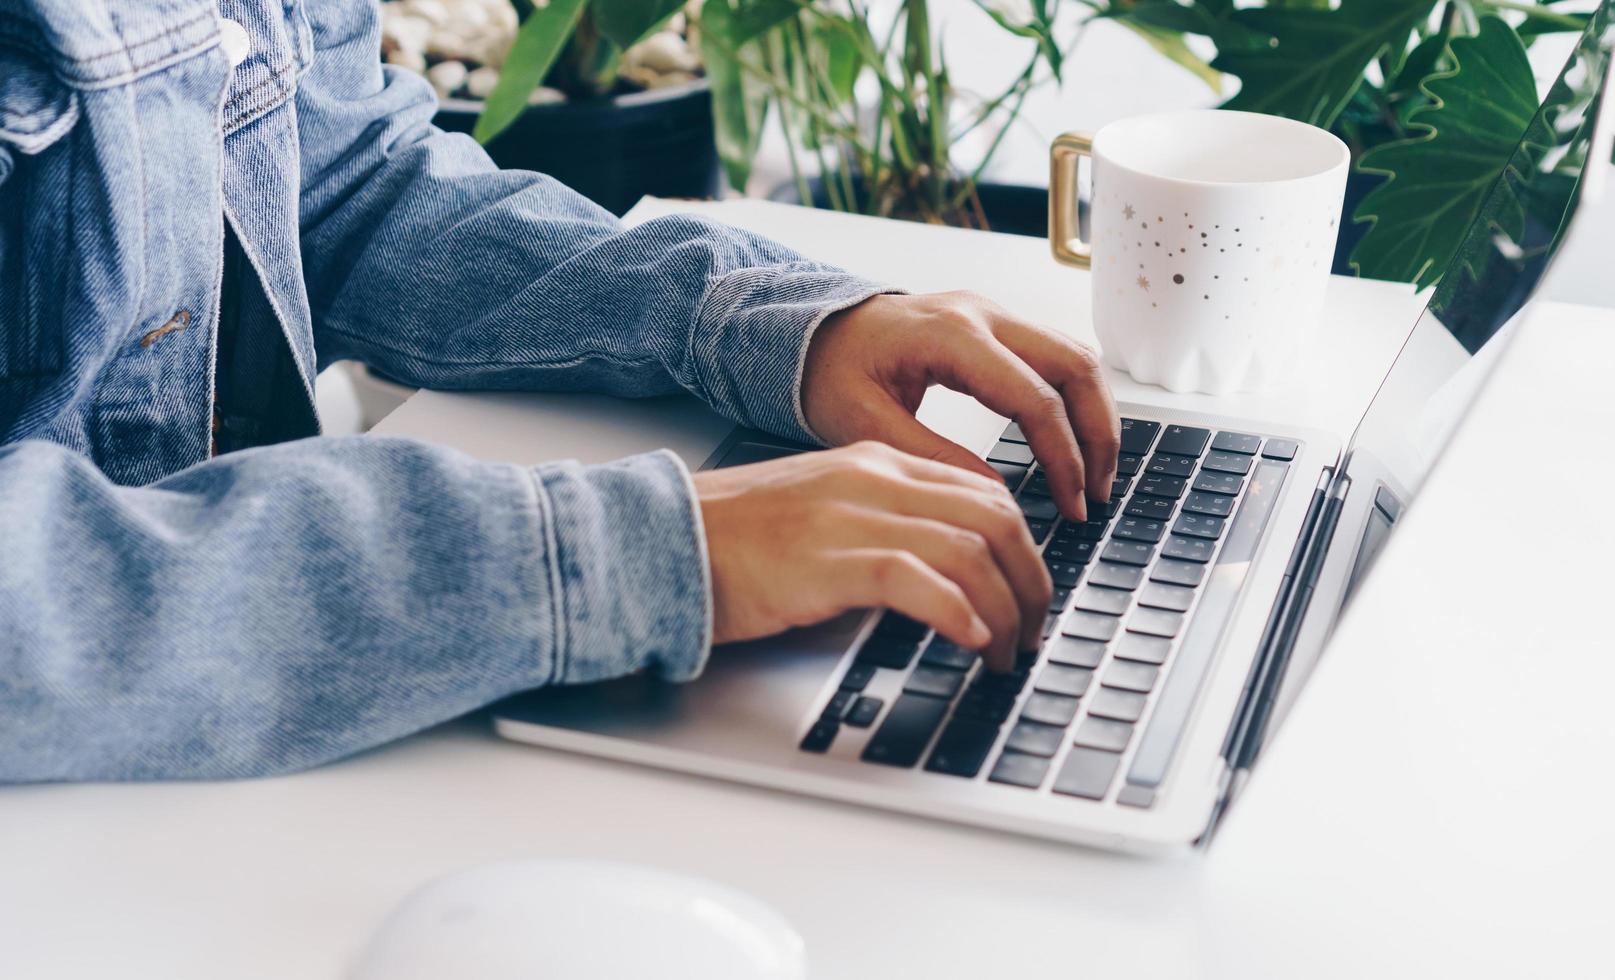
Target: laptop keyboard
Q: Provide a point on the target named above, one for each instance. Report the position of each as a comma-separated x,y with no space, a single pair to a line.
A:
1130,632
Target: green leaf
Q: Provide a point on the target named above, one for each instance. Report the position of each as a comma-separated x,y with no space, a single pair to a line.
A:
1438,179
627,22
1173,46
537,44
739,103
842,59
1423,61
760,16
1192,18
1317,57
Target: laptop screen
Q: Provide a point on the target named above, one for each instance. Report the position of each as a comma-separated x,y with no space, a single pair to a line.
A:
1517,230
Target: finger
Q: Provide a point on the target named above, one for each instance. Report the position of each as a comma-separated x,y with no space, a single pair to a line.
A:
884,419
934,471
900,580
1074,370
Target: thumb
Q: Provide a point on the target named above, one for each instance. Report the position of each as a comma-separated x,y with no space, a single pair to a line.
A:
892,424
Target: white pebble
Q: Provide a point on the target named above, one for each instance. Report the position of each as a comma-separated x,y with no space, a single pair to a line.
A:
413,60
431,11
663,52
544,95
670,79
480,83
402,32
447,77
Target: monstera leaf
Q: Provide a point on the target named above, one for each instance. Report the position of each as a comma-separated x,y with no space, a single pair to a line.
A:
1438,179
1317,56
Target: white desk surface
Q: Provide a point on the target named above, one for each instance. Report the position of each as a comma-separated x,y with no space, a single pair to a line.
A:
1438,805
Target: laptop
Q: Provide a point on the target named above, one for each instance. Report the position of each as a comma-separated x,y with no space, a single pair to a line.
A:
1186,614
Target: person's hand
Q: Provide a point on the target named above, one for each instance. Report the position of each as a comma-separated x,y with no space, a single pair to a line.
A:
868,366
796,541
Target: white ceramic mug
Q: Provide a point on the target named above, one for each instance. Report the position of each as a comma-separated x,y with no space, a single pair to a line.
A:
1211,237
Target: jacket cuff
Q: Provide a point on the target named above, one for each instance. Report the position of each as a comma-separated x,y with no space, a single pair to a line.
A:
627,569
752,333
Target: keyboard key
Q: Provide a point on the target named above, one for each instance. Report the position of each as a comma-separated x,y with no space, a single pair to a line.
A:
1165,464
1177,572
857,677
1025,660
1090,626
1188,549
1138,529
839,702
900,627
1237,442
1039,530
1016,769
1128,464
1227,483
1129,552
1209,504
1012,474
1130,676
1284,449
939,682
1103,510
886,651
1071,552
1065,574
1058,598
1155,622
1199,526
1034,738
1113,576
1107,601
1051,622
1076,652
1060,679
1152,508
1013,433
1139,796
1050,709
1102,733
1083,531
1013,453
1159,595
909,724
864,712
985,706
820,736
962,748
1119,487
1155,485
1137,435
1227,463
1087,773
946,653
1038,508
1143,648
1183,440
1108,702
994,683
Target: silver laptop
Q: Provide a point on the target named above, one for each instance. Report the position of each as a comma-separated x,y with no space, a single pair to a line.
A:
1186,614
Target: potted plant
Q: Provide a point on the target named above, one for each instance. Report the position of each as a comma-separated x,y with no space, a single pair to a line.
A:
607,96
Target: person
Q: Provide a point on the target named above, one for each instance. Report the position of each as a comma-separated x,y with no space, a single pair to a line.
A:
202,202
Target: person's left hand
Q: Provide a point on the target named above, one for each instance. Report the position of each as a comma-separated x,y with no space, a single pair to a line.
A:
868,366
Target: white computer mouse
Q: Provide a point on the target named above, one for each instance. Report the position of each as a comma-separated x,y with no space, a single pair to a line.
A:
580,920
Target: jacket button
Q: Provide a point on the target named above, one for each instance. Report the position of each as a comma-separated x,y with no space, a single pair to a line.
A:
233,41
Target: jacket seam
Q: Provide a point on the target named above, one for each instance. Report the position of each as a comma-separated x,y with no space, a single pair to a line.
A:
559,635
81,69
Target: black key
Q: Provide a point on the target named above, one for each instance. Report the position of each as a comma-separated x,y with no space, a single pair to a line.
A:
1113,576
900,627
1227,483
1039,529
838,705
1119,487
864,712
1159,595
990,682
1090,626
1039,483
1137,435
1065,574
1060,679
1076,651
1237,442
1141,648
1155,485
1038,508
1049,709
820,736
1199,526
1164,464
1108,702
1051,622
1025,660
1016,769
1103,510
1058,598
1013,453
909,724
1129,676
858,677
1087,773
1102,733
1209,504
1084,531
1012,474
1125,552
946,653
939,682
1127,464
1107,601
1138,529
885,651
962,748
1073,552
1228,463
1177,572
1014,434
1034,738
1183,440
1284,449
1155,622
1151,508
1188,549
984,706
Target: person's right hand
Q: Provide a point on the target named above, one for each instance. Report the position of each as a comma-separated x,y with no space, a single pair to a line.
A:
796,541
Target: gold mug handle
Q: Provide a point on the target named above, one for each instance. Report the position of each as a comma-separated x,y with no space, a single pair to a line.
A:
1063,238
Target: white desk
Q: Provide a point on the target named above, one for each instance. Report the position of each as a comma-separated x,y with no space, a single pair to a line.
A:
1437,806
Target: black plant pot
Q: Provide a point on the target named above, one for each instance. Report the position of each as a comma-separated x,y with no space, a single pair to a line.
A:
1012,208
612,150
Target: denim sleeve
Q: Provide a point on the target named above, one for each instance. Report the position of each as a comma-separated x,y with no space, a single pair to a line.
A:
276,608
441,271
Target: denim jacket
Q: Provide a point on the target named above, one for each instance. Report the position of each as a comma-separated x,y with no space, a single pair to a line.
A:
167,611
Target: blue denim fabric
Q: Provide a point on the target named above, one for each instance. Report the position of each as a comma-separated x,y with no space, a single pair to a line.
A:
165,612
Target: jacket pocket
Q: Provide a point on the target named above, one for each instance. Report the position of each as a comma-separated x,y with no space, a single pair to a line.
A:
36,109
